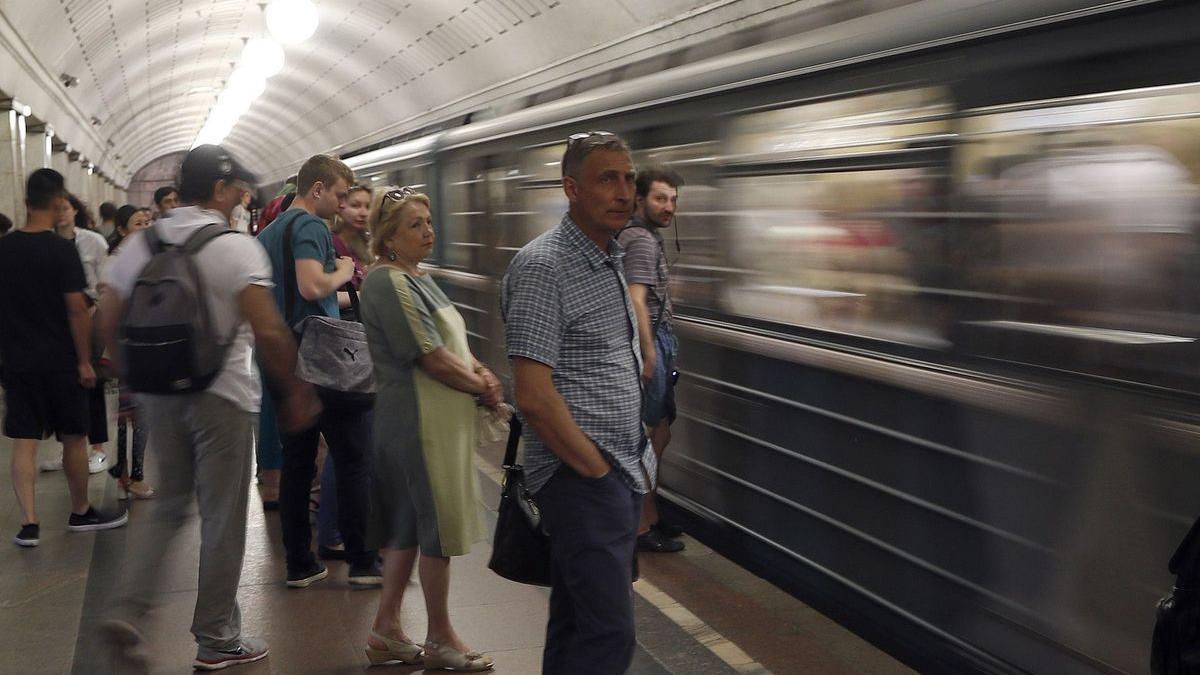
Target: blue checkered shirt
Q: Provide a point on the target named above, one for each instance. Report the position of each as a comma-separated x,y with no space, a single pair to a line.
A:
565,304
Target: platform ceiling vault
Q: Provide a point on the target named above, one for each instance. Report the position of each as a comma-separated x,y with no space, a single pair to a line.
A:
149,71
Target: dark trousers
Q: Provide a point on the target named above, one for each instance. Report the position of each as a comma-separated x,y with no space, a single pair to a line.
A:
97,414
348,433
592,525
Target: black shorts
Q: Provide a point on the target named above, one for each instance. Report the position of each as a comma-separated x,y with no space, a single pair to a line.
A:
39,404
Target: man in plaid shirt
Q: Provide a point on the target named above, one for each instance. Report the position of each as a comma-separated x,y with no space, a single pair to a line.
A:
572,339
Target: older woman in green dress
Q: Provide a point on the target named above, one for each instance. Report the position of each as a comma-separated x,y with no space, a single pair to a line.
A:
424,498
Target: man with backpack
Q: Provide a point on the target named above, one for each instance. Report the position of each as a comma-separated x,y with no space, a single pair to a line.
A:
308,276
648,276
189,299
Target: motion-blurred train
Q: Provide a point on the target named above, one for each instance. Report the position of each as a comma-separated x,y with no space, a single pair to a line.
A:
936,280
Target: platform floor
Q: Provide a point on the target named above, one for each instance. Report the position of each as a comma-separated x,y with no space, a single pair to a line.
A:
696,611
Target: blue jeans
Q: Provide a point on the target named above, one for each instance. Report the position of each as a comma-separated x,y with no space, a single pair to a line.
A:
327,525
269,451
658,399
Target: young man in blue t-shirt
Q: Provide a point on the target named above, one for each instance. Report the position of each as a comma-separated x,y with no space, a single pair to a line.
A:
321,188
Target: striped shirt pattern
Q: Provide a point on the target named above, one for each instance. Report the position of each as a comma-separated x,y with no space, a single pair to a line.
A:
565,304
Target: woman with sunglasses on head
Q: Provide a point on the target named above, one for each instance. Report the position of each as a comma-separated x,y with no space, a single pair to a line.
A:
424,496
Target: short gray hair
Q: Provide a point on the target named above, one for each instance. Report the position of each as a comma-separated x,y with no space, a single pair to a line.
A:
579,146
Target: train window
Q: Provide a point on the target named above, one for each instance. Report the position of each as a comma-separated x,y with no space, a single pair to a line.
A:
1093,200
466,215
837,215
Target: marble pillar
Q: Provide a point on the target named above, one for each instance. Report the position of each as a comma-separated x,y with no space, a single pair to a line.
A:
12,176
37,147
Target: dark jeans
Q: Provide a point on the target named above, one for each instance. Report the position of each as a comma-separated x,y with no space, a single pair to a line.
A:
348,433
592,525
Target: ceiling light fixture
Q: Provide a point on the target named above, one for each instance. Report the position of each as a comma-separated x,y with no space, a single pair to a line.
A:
263,56
292,21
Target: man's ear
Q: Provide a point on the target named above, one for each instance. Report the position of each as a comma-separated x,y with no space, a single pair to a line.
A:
571,187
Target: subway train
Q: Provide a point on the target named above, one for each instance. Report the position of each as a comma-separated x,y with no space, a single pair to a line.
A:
935,276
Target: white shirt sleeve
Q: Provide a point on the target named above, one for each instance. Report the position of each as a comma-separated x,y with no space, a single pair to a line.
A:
126,264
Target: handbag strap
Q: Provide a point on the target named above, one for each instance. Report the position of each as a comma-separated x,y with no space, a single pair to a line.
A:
514,439
289,272
289,277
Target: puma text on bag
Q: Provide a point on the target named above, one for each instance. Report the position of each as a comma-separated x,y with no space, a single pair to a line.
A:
169,341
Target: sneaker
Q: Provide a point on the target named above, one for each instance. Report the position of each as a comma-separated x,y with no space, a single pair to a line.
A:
654,542
97,462
369,574
95,520
337,552
28,536
668,529
51,464
247,650
308,576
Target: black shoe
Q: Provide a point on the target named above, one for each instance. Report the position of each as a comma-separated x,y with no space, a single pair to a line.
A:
95,520
668,529
369,574
303,578
28,536
655,542
326,553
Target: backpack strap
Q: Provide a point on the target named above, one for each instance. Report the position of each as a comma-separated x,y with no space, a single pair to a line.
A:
289,271
201,237
153,241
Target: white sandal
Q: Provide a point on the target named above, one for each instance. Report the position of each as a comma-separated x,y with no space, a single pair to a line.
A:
403,651
445,657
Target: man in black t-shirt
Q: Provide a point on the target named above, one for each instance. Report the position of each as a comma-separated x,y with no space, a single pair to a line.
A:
45,350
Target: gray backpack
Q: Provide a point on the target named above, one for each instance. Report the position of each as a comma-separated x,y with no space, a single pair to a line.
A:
169,342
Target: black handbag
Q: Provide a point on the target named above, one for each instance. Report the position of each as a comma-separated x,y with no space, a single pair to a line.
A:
1175,647
521,549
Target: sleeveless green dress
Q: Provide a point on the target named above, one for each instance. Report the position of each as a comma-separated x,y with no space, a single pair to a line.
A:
424,486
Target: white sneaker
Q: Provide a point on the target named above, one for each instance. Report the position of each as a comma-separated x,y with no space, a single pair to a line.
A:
97,462
51,464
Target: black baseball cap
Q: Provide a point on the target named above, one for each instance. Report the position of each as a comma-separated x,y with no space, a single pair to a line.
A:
205,165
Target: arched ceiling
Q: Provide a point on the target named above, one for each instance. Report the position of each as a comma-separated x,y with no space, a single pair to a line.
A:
150,70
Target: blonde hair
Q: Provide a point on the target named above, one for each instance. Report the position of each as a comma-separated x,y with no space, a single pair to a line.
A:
360,241
385,216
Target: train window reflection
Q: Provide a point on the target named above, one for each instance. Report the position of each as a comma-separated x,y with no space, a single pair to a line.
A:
854,252
838,216
1093,202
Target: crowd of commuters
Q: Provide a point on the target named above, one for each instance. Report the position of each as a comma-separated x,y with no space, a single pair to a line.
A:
587,311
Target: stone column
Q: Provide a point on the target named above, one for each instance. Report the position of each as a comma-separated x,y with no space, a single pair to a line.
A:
37,146
58,156
12,160
74,173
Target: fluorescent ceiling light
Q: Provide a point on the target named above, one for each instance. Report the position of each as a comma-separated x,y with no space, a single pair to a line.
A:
292,21
244,84
262,56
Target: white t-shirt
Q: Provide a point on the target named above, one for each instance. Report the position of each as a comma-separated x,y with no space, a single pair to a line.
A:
228,264
93,249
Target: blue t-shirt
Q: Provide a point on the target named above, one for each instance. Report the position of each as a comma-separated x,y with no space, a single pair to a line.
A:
311,240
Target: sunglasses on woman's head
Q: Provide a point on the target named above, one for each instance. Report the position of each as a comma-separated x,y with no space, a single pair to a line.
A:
400,194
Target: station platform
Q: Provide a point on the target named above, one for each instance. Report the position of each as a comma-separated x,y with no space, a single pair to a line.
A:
697,612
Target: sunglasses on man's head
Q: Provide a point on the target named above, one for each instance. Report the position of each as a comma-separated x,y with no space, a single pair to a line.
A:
583,136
